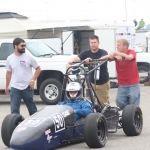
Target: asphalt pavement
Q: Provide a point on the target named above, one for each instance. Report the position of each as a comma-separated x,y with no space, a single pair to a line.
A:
116,141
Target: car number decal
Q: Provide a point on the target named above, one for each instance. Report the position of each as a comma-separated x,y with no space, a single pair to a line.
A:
59,122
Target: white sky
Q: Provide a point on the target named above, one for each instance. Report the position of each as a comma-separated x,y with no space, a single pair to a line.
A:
80,9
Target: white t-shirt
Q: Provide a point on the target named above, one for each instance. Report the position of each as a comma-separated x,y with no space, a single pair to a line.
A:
21,68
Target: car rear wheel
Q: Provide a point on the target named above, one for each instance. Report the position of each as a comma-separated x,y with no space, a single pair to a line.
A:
132,120
95,130
9,123
50,91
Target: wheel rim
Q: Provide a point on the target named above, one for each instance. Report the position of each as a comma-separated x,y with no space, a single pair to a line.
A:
101,130
51,92
137,120
143,75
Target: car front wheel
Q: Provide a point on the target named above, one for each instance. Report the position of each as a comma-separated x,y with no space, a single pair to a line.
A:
95,130
10,122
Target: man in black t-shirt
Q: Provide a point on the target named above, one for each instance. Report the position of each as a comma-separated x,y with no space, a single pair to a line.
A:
102,84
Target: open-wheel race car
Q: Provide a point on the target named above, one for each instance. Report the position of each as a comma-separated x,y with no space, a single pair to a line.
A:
54,125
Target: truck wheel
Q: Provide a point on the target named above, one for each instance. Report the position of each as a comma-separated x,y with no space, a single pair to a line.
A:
132,120
50,90
95,130
9,123
143,73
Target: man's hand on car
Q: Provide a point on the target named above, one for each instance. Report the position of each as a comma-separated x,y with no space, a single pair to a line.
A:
87,60
118,57
112,54
70,62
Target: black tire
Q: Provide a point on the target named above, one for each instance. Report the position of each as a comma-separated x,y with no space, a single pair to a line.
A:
95,130
143,69
9,123
55,89
132,120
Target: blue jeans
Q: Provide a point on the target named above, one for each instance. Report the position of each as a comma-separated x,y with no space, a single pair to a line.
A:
128,95
15,100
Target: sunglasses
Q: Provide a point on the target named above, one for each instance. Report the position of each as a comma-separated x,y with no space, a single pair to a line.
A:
23,45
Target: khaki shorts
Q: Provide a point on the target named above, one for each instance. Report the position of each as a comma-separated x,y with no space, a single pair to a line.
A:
102,92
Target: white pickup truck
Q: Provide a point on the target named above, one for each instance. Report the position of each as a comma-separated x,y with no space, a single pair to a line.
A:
143,63
53,66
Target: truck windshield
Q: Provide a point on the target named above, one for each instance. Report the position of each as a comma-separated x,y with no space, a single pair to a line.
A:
138,49
39,49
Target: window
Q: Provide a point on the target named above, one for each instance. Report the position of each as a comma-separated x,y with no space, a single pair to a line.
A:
39,49
6,49
138,49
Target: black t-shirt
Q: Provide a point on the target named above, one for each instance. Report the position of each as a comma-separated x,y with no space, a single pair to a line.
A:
104,76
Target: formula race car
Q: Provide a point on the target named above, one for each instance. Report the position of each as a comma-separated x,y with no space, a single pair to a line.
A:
54,125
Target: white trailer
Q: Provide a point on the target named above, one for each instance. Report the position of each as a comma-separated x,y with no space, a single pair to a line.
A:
108,34
147,36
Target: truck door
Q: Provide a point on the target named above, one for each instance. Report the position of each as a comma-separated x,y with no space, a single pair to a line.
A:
6,49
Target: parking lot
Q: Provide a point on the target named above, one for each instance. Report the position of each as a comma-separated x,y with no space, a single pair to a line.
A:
117,141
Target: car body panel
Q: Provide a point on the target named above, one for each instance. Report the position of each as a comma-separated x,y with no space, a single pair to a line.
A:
46,129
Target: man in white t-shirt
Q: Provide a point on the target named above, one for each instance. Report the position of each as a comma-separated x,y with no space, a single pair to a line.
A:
19,70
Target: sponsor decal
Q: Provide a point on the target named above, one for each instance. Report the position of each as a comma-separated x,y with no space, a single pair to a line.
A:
47,131
59,122
33,122
22,63
21,129
49,137
66,113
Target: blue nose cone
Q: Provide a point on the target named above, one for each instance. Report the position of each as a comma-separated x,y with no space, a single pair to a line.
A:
31,137
38,144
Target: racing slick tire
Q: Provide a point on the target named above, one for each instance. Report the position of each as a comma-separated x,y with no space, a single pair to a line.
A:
9,123
50,91
132,120
95,130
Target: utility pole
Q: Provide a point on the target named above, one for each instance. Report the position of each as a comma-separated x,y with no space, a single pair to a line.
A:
126,9
134,7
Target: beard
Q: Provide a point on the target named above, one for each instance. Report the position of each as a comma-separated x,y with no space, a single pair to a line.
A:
21,51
